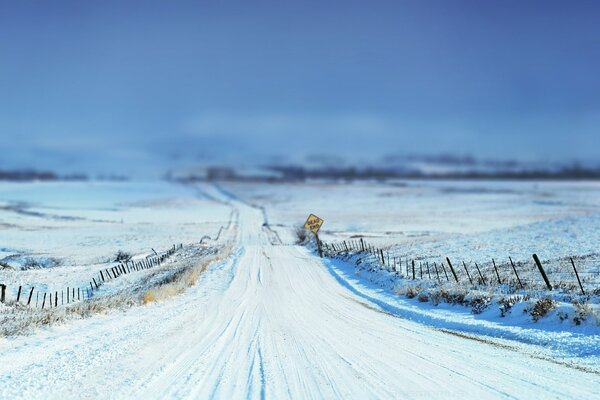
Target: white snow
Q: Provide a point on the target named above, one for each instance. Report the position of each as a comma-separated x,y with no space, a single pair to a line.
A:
274,321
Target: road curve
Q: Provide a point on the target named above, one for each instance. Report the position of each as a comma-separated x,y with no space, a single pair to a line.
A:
271,322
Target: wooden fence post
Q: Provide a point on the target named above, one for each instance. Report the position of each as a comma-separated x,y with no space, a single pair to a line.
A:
2,293
437,274
539,265
515,269
480,274
19,294
467,271
413,269
577,275
382,259
319,246
497,274
452,269
445,273
30,294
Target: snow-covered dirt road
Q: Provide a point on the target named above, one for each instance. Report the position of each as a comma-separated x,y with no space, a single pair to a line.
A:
271,322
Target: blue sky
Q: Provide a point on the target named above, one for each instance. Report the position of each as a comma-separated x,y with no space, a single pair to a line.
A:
108,83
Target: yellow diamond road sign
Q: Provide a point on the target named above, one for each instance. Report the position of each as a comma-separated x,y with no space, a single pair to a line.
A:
313,223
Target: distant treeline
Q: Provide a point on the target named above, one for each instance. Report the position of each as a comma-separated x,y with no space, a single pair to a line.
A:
32,175
353,173
292,173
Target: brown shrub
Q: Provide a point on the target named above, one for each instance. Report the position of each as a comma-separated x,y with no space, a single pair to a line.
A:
542,307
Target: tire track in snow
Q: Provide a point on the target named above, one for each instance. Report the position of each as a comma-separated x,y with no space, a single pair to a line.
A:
272,322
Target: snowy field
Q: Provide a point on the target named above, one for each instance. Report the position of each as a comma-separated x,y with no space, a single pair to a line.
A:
59,234
470,223
270,319
466,221
497,217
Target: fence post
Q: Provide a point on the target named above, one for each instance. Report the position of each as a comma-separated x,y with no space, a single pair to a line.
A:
319,246
428,273
452,269
382,259
467,271
44,302
497,274
30,294
445,273
437,274
577,275
413,268
539,265
515,269
480,274
19,294
2,293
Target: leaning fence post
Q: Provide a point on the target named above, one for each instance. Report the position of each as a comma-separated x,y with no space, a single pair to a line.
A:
452,269
539,265
480,274
497,274
30,294
515,269
445,273
467,271
437,274
577,275
382,259
19,294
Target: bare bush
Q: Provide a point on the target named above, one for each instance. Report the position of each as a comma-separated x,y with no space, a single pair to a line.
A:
302,234
423,298
542,307
122,256
479,302
583,311
39,263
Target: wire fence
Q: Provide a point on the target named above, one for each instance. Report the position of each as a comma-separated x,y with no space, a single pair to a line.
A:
29,296
576,274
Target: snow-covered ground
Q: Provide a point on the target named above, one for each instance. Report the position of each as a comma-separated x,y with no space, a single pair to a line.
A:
275,321
59,234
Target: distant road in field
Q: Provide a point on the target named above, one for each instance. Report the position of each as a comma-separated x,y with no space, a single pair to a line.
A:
271,322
